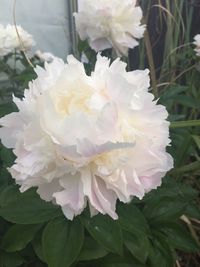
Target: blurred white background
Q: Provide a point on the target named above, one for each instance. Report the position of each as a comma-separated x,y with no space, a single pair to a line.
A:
46,20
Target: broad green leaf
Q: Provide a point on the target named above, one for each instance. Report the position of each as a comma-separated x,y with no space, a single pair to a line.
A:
187,101
18,236
9,194
29,209
113,260
7,156
37,246
62,241
164,209
7,108
173,91
131,219
178,237
105,231
160,254
174,190
11,259
122,265
191,167
193,211
5,176
91,250
137,244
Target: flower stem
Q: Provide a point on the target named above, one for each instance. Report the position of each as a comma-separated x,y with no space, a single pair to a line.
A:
182,124
151,63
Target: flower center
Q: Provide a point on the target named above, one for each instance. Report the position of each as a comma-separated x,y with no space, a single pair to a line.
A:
72,100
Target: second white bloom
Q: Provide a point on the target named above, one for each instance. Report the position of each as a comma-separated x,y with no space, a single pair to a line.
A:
12,39
113,23
197,44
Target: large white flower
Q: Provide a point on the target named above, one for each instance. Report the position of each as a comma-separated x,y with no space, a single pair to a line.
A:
88,139
197,44
106,24
10,41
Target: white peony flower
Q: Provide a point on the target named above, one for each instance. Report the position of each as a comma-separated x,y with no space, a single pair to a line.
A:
44,56
106,24
88,139
9,39
197,44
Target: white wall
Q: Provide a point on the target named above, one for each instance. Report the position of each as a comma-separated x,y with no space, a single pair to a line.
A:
46,20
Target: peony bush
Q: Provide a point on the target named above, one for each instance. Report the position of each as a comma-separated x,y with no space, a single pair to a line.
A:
99,155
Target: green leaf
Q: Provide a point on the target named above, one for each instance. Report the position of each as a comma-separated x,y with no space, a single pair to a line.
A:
62,241
11,259
105,231
7,108
137,244
131,219
18,236
160,253
197,140
171,92
37,246
9,194
120,265
174,190
91,250
113,260
5,176
164,209
178,237
191,167
29,209
193,211
187,101
7,156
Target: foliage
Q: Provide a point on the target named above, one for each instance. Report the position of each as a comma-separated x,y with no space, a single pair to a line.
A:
150,232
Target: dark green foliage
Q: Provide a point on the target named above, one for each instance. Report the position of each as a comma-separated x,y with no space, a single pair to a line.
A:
62,241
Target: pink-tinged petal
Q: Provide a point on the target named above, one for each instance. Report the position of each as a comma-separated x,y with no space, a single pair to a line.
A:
107,123
88,149
87,181
11,129
68,212
100,198
125,184
72,195
8,138
152,182
100,44
107,198
47,190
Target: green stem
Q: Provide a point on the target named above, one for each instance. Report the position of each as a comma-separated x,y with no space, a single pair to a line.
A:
151,63
182,124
